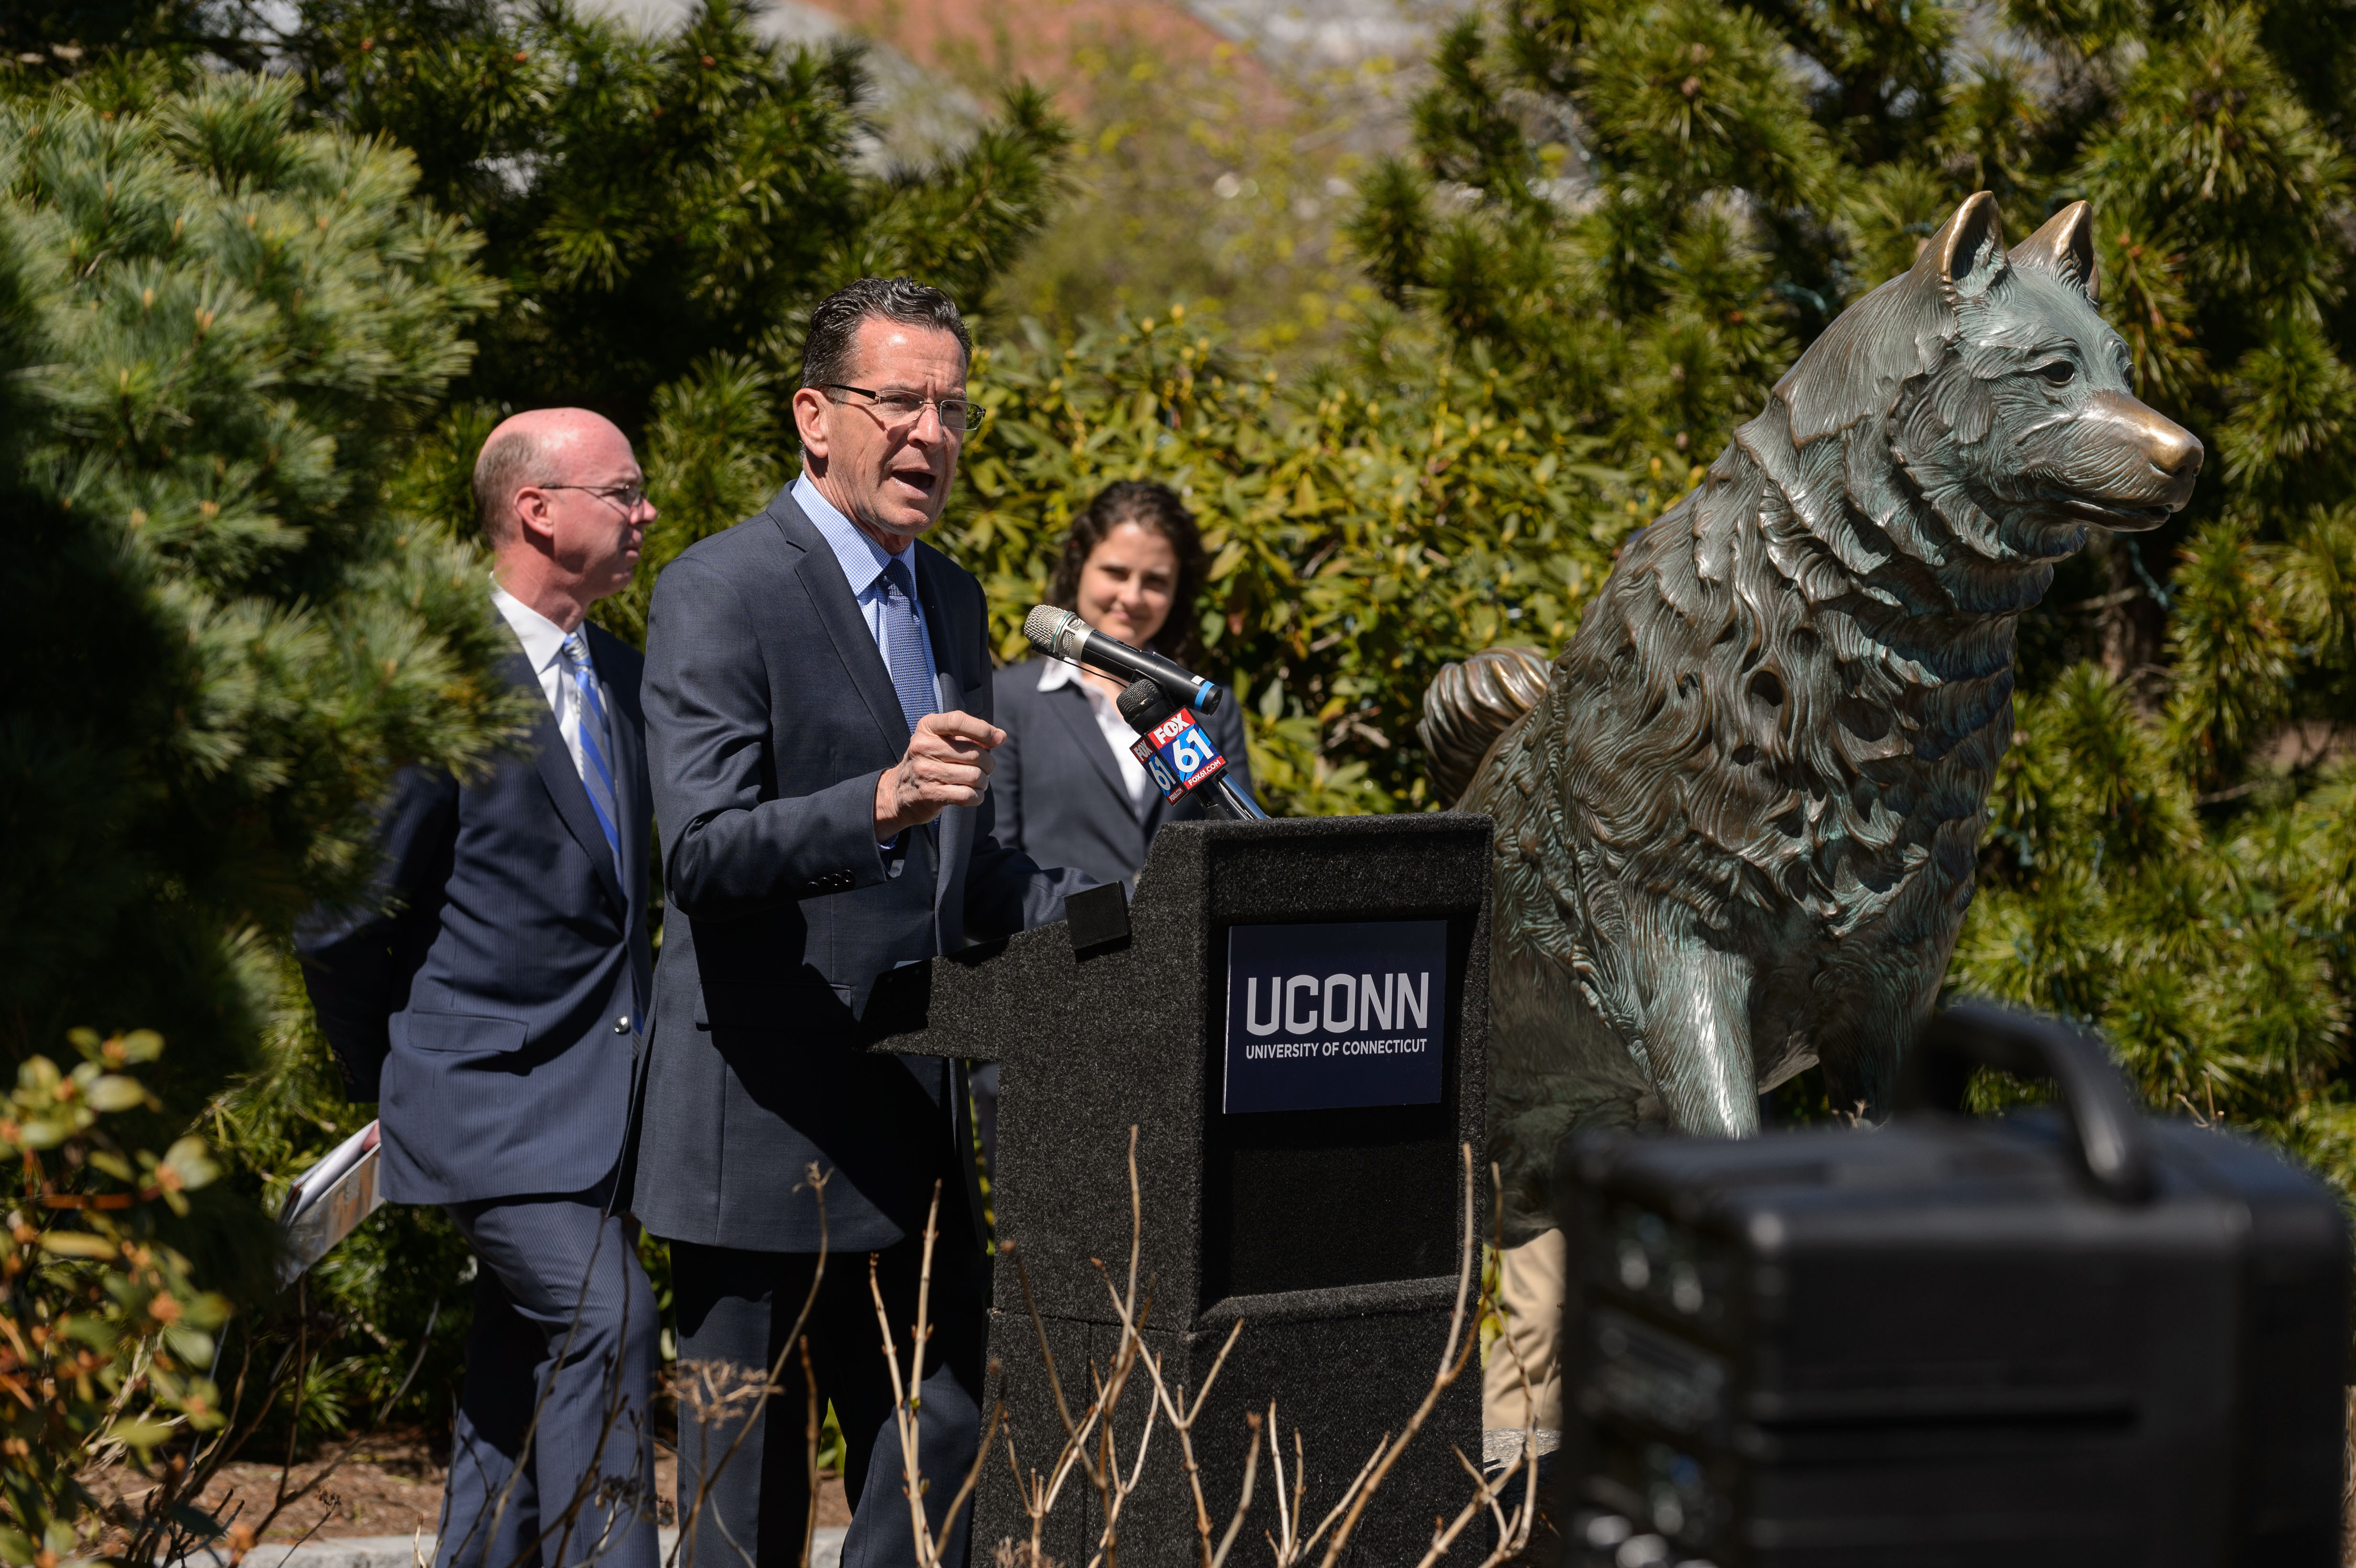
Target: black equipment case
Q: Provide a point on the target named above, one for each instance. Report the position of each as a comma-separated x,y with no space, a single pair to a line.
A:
2086,1340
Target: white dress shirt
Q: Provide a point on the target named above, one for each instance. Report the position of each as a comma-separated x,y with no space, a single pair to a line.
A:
862,563
544,647
1117,731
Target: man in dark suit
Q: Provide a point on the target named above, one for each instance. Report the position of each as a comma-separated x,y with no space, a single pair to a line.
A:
492,1003
818,722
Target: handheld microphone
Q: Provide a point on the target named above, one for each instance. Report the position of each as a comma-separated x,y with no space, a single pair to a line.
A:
1060,635
1180,758
1144,705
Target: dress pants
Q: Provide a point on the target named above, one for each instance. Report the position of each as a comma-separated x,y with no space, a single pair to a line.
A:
735,1311
1531,1282
559,1368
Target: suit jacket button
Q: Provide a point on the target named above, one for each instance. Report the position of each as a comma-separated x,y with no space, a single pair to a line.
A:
622,1024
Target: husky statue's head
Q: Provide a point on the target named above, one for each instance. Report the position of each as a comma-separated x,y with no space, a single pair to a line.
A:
1991,380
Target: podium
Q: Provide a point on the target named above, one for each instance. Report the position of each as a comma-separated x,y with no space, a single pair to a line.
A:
1295,1020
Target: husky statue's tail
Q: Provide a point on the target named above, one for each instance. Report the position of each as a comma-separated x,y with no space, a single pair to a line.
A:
1469,707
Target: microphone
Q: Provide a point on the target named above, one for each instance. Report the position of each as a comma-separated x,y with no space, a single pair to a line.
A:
1060,635
1145,705
1148,709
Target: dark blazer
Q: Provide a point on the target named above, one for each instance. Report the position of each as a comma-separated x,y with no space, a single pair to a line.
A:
491,999
769,717
1060,795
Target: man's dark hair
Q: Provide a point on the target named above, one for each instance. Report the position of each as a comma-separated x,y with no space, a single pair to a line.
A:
834,320
1157,509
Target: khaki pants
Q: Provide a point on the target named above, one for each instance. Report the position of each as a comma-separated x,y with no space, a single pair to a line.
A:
1530,1280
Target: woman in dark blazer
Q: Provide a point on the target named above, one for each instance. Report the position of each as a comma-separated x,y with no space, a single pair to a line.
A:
1069,791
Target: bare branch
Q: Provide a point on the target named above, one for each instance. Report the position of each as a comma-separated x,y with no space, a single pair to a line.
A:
1091,1445
1243,1504
905,1419
811,1429
691,1514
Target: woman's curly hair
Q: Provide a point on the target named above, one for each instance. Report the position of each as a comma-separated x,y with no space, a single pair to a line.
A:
1149,505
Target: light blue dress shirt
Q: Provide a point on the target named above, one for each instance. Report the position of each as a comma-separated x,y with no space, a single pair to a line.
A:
862,563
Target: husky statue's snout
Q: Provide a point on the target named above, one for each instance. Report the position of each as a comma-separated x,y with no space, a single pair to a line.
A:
1737,821
2138,461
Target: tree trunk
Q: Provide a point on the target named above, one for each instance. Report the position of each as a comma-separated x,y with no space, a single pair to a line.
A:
2133,625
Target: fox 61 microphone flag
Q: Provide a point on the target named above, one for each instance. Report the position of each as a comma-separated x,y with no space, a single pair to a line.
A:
1179,755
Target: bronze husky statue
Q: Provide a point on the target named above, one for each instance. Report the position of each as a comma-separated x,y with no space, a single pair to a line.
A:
1736,830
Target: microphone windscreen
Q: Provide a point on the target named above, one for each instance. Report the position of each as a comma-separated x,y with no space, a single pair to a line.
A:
1144,705
1044,629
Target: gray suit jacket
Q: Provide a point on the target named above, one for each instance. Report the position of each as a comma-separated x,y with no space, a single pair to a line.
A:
769,717
1060,796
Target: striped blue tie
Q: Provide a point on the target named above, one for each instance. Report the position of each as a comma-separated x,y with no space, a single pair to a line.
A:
903,644
596,745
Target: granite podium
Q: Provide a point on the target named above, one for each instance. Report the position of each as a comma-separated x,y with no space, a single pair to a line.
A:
1298,1150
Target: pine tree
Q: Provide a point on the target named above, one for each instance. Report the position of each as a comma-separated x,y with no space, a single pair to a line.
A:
659,212
663,211
218,334
652,201
47,40
1656,203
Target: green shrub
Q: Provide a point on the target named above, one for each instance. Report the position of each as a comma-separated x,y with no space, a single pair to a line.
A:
1358,541
108,1341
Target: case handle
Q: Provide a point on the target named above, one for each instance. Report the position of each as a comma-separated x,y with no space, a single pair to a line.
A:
2107,1126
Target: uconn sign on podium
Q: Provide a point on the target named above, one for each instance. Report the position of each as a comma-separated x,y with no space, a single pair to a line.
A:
1327,1016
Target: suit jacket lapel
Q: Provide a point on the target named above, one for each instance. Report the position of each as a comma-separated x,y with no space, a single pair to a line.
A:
951,690
837,611
565,791
1079,716
629,756
955,827
627,724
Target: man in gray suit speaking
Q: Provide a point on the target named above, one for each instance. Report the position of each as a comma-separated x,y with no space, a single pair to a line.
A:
817,702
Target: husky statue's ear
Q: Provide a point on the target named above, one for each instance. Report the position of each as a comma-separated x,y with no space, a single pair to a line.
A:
2064,248
1967,254
1857,365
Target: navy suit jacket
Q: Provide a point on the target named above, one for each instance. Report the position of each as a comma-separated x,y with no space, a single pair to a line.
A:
492,998
1060,796
770,716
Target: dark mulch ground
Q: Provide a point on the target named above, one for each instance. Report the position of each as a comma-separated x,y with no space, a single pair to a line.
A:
390,1485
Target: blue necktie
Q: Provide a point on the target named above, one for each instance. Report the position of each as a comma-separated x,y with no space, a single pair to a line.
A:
596,745
903,644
